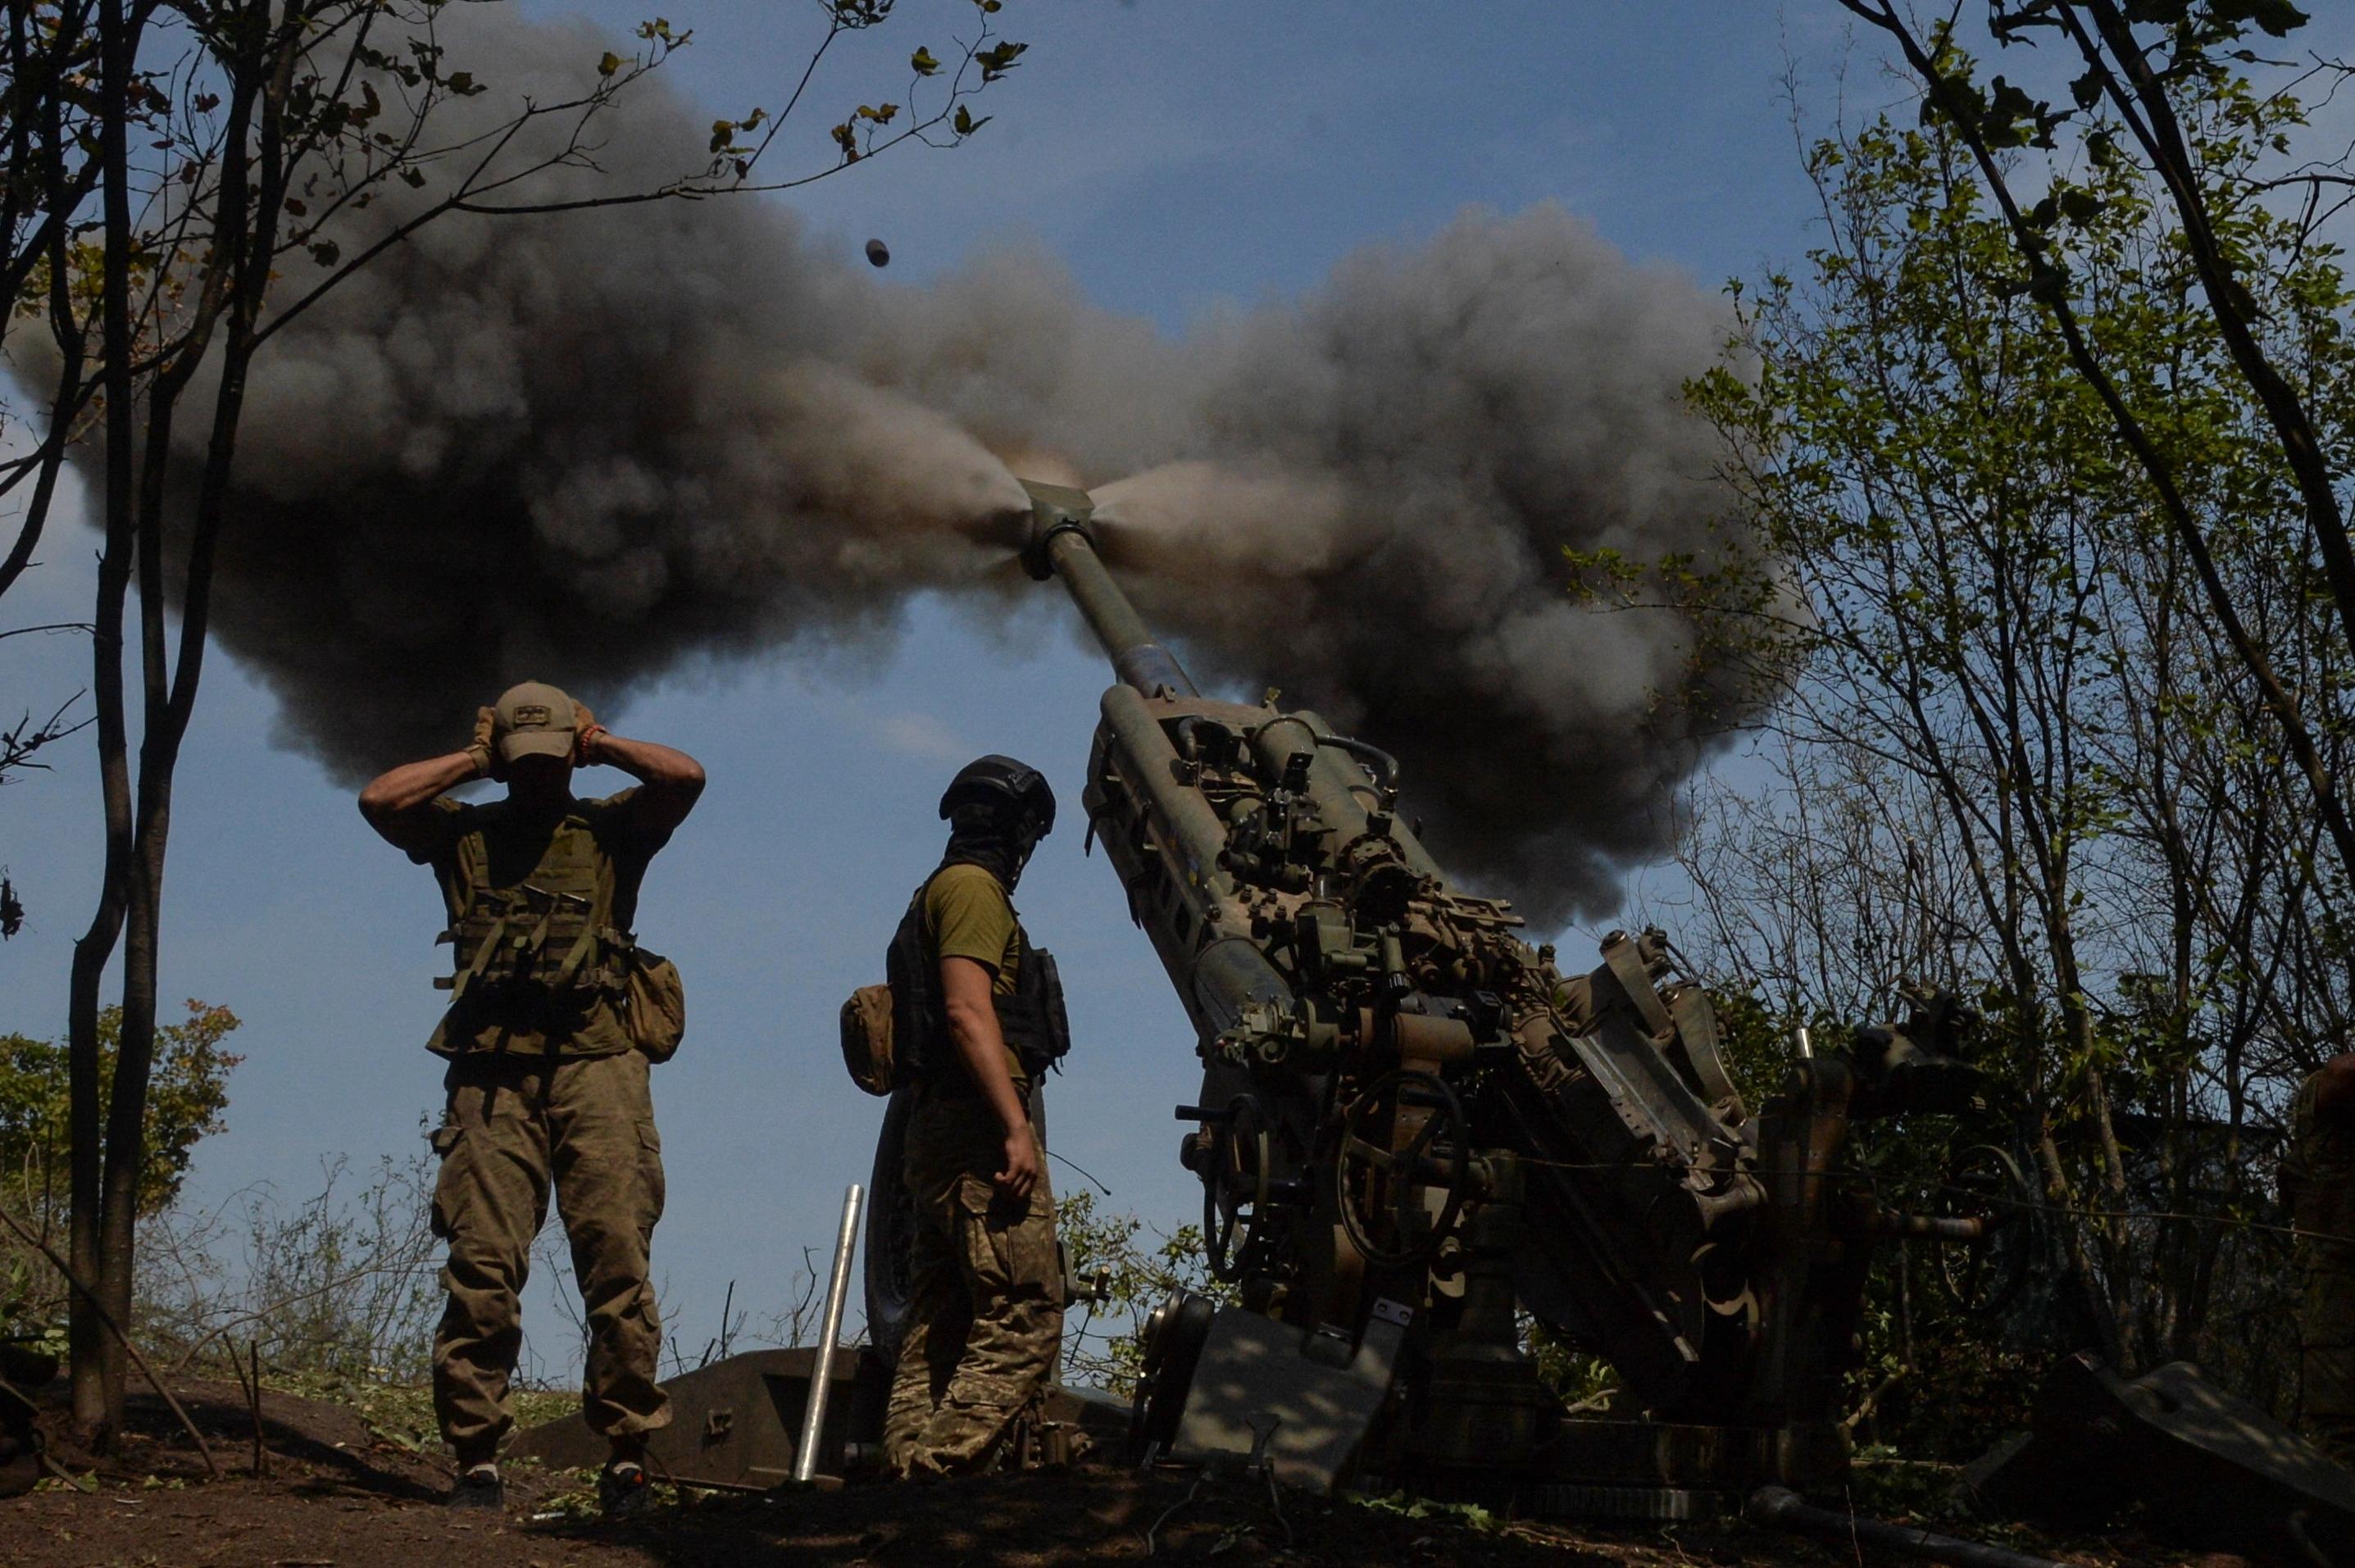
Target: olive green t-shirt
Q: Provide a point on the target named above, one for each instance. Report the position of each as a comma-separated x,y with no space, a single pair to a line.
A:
506,850
967,915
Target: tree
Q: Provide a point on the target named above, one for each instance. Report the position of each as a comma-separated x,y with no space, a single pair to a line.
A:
1135,1275
188,1089
2016,747
182,179
2145,63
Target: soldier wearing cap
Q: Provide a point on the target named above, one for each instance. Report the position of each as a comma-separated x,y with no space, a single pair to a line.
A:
978,1017
546,1088
2317,1181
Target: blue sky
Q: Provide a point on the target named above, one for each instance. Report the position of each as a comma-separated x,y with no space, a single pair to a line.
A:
1176,156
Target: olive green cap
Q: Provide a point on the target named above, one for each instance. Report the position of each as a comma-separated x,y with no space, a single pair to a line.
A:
534,720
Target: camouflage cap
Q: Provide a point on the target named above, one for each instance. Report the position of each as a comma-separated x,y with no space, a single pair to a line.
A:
534,720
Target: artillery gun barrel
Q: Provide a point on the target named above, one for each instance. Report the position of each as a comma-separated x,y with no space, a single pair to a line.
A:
1060,546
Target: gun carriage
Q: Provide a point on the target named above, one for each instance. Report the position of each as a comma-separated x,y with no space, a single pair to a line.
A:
1413,1125
1416,1132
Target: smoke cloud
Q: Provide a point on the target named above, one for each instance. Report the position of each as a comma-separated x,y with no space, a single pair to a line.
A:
589,447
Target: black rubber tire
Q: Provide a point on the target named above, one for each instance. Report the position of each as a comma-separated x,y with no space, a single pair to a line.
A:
891,1227
1161,1396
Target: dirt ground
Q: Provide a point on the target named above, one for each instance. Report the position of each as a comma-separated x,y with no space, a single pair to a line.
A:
339,1495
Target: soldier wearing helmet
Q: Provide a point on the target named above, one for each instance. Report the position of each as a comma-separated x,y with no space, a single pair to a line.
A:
549,1033
979,1012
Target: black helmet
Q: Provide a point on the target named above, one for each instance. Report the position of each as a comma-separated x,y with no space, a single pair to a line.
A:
1013,793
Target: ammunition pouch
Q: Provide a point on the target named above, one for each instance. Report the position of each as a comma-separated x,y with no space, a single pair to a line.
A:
867,1039
530,944
654,1003
1032,1019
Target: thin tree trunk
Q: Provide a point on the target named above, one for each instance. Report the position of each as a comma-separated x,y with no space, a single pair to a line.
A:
230,276
90,1343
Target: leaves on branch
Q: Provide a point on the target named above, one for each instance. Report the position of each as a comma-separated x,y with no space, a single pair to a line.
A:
998,60
2276,18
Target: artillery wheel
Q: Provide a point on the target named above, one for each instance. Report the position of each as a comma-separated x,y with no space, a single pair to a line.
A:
1235,1187
1173,1335
1381,1188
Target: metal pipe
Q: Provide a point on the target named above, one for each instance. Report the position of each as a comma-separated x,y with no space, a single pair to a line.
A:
1880,1221
1783,1508
1373,756
1136,658
1060,545
829,1330
1185,813
1342,791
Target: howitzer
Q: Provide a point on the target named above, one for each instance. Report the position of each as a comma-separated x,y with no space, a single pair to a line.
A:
1413,1125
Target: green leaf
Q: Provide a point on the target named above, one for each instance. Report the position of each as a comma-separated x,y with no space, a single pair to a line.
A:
965,124
922,63
610,64
2275,17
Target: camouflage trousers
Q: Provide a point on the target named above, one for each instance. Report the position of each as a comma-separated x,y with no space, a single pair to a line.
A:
516,1126
985,1299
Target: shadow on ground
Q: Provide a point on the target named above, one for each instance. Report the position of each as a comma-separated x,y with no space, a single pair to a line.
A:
337,1495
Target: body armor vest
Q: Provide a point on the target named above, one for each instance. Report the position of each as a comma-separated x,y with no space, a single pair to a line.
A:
547,938
1031,1018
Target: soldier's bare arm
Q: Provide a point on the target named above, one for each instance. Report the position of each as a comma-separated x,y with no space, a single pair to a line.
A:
671,780
398,805
967,990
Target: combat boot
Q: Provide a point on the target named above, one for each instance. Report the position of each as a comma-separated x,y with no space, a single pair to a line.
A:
624,1490
478,1487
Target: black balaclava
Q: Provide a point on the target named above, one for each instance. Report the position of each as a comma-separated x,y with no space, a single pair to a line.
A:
997,809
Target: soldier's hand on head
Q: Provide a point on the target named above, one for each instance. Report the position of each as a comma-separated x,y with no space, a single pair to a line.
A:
1023,1166
585,733
484,747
